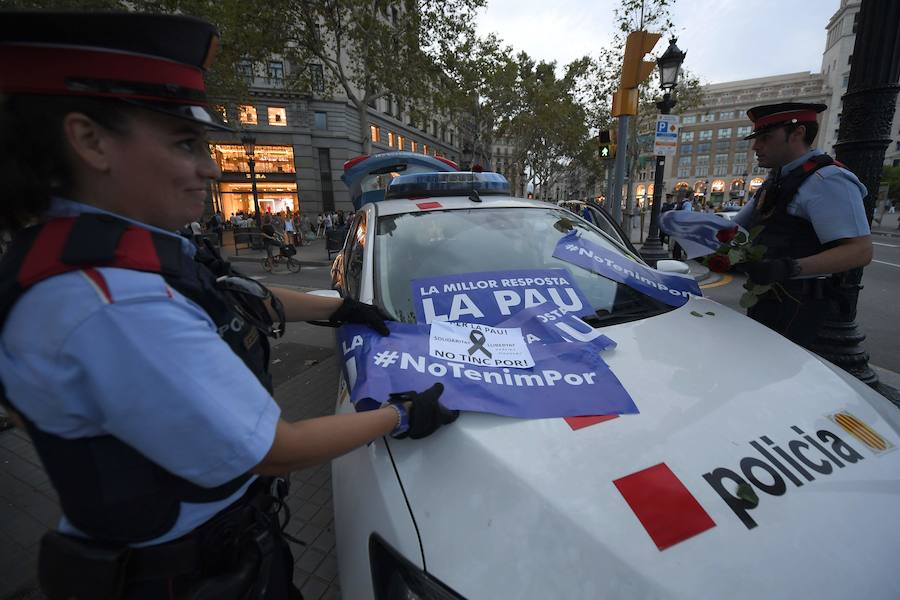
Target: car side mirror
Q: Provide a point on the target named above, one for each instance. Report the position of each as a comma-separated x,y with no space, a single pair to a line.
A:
673,266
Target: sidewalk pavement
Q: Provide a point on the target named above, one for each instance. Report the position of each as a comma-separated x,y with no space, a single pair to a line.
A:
29,506
310,254
889,224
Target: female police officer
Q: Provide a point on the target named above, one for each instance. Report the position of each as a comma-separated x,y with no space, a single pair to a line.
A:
134,361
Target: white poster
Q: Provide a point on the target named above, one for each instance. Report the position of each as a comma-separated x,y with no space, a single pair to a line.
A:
479,345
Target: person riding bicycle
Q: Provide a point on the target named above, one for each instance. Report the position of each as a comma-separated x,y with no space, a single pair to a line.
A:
271,241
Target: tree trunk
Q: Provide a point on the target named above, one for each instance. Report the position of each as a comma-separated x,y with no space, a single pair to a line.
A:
362,110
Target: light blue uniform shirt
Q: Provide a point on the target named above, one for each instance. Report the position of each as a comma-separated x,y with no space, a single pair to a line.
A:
831,199
148,368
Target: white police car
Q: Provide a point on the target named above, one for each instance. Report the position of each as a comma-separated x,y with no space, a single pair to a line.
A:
766,474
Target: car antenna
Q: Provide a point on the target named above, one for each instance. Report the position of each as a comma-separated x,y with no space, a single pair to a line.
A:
473,196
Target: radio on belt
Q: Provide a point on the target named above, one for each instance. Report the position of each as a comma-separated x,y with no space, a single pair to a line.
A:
423,185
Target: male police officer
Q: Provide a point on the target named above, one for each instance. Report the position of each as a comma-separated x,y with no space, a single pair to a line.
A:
814,223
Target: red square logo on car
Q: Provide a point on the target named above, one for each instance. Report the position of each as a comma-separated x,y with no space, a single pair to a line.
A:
662,504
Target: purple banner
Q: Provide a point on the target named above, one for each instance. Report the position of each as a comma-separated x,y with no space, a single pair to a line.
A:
492,297
669,288
568,379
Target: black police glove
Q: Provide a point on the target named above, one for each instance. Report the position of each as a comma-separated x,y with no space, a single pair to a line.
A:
426,413
351,311
771,271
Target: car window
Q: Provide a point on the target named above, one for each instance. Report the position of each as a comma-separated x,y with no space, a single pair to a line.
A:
353,259
430,244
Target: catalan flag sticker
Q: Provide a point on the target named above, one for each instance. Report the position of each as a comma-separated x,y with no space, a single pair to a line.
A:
861,431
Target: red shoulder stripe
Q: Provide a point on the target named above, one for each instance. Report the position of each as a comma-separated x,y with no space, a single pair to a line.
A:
136,251
100,284
42,260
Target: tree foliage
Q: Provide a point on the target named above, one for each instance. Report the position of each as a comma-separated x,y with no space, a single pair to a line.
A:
376,48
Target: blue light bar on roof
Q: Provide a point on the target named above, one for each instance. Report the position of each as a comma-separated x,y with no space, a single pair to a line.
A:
424,185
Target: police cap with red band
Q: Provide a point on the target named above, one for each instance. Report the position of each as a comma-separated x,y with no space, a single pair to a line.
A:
150,60
771,116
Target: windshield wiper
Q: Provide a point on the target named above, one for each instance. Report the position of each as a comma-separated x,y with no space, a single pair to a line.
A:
603,318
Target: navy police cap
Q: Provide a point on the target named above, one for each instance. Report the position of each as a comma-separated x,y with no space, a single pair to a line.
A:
771,116
150,60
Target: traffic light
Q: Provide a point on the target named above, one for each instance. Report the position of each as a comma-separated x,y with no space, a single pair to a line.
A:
607,144
635,70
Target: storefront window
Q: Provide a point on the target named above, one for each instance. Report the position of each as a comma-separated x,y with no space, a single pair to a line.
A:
247,114
424,148
220,110
755,183
375,133
392,138
277,116
413,146
232,158
273,198
718,185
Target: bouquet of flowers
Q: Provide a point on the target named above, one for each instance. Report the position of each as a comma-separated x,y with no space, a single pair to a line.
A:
737,247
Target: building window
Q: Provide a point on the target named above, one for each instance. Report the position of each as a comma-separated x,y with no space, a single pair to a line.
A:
707,118
413,146
689,119
701,171
434,128
684,161
723,145
726,116
742,144
277,116
375,133
703,148
245,71
223,114
725,132
743,131
424,148
232,158
706,134
845,81
317,78
687,136
686,148
276,73
247,114
320,120
684,171
392,138
401,141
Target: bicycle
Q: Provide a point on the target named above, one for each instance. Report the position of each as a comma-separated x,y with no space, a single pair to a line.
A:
285,255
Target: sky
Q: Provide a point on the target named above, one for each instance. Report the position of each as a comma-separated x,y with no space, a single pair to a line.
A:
725,40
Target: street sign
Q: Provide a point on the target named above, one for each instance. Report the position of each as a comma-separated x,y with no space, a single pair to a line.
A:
665,142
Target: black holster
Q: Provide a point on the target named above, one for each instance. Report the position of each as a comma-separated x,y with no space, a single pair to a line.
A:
70,568
228,558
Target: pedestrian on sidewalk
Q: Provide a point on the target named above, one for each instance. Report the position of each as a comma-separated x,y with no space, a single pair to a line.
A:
813,218
147,396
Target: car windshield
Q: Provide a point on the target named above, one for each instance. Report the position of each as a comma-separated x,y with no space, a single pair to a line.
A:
410,246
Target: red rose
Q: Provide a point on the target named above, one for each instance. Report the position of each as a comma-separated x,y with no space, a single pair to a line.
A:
719,263
726,235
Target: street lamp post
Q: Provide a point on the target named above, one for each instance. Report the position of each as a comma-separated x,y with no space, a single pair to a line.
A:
249,143
669,66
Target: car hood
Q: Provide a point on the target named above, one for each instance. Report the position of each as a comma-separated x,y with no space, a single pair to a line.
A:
515,508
